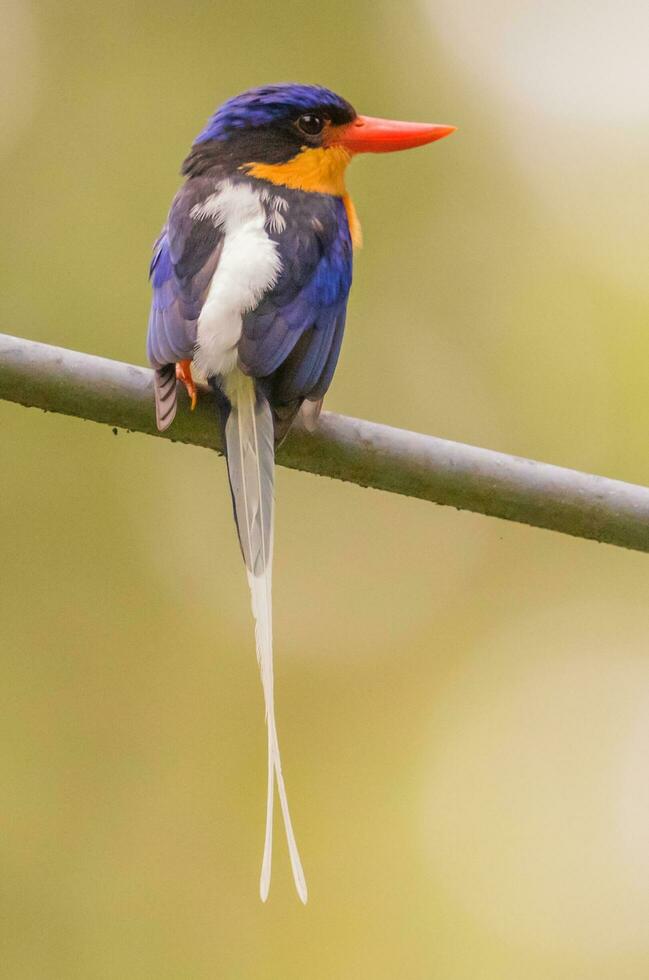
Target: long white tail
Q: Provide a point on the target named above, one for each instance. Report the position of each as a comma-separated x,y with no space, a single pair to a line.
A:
250,448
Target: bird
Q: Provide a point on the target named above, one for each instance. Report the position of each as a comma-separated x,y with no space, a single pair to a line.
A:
250,278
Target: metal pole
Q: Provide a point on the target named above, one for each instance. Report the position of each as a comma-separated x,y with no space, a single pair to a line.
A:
354,450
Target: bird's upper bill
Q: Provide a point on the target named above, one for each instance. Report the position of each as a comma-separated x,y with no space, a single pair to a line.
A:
367,134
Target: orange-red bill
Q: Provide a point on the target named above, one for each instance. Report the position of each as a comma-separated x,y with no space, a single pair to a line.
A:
367,134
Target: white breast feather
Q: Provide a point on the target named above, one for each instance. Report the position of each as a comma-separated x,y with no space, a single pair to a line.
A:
248,267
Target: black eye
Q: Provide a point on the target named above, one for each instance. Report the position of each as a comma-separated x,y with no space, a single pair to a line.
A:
310,124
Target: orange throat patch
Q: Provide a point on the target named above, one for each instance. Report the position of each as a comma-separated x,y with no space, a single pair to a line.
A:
321,171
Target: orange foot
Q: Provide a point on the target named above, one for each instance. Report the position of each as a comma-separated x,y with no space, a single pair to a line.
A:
184,374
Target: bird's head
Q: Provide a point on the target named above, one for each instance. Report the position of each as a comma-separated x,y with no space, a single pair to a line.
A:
301,136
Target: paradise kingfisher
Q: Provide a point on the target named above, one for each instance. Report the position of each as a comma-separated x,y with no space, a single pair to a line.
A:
250,282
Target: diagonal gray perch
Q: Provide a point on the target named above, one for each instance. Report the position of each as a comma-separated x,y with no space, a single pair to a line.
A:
365,453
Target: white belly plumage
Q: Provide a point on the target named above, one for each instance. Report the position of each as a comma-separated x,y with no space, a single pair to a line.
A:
249,265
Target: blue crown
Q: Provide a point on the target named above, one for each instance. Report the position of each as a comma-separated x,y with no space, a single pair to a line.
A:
269,104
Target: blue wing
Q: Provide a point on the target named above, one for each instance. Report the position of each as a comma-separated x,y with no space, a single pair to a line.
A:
291,341
185,258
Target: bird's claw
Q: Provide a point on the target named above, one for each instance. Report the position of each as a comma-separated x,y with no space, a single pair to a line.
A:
184,374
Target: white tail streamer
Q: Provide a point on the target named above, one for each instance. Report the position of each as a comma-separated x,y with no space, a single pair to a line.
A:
250,446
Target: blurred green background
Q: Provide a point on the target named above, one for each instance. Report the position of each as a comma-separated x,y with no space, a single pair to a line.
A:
463,704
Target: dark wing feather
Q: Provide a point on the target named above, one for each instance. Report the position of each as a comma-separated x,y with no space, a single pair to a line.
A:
185,258
291,341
